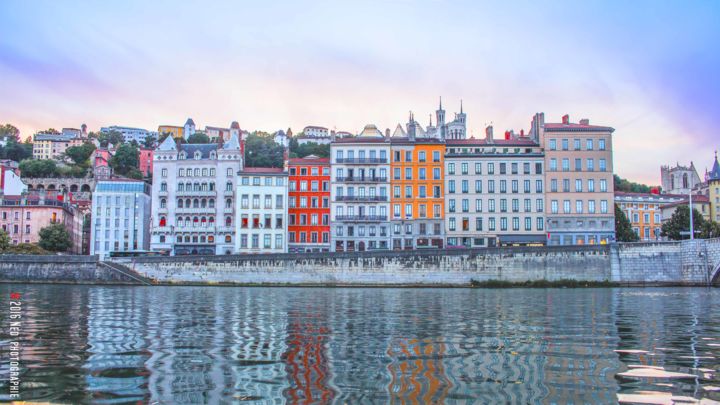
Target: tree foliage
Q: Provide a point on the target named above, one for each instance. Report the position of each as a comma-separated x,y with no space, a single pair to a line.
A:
623,227
111,137
680,222
4,241
198,137
262,151
9,131
55,238
39,168
80,154
149,141
300,151
126,158
631,187
16,151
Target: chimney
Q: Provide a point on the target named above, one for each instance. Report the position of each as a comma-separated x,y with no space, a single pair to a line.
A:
584,121
489,134
387,132
566,119
522,132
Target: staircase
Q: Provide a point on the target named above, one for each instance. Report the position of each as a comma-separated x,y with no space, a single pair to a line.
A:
127,272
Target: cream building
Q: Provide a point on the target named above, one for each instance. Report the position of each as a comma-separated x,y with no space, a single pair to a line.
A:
262,209
494,192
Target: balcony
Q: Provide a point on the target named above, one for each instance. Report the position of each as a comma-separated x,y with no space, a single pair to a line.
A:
364,179
361,218
209,211
361,198
190,193
361,161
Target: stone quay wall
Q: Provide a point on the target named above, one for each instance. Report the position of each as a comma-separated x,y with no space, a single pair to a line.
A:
657,263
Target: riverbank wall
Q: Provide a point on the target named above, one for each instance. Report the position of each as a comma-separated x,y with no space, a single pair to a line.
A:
691,263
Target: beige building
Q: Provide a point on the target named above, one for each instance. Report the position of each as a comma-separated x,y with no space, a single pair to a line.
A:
714,190
700,203
494,192
579,180
53,145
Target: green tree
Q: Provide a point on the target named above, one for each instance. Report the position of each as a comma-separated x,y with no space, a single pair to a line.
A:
111,137
262,151
631,187
311,148
623,227
39,168
55,238
16,151
125,159
198,137
9,130
80,154
4,241
710,229
680,222
149,141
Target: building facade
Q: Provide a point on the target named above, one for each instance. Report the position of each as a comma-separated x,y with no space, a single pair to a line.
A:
145,161
172,130
579,180
193,197
644,212
309,204
494,192
359,192
22,217
714,190
121,217
53,146
679,179
131,134
417,192
314,134
262,209
10,182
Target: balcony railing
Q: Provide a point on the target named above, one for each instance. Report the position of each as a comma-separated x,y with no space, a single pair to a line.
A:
361,218
361,161
191,193
357,179
361,198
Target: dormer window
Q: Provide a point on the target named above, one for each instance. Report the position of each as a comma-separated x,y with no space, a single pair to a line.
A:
197,155
212,155
183,155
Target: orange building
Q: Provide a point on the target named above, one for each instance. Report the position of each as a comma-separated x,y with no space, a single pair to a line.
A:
416,192
309,204
644,211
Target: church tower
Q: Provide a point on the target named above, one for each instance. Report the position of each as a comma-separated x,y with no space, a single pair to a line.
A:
440,118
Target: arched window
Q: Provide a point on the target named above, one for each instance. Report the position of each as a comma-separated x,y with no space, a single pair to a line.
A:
203,203
211,203
197,172
204,187
203,221
180,203
212,186
187,239
228,239
181,187
196,222
196,186
187,221
197,155
194,238
228,221
228,203
188,186
183,155
179,221
212,155
187,203
211,239
163,221
179,239
685,180
202,239
163,203
196,203
228,186
211,220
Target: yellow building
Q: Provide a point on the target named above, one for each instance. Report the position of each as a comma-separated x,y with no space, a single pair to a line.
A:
416,192
175,131
644,211
53,145
714,190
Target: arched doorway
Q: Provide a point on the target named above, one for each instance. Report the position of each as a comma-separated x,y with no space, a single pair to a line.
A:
85,188
73,188
361,246
51,187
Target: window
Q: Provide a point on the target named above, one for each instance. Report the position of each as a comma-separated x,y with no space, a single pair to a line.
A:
421,156
603,206
576,144
603,185
164,172
451,186
553,185
579,206
554,206
553,165
553,144
566,206
451,224
602,165
566,185
564,144
601,144
589,144
478,186
478,168
503,168
436,156
408,173
578,165
565,164
578,185
539,205
538,186
491,168
591,206
590,164
464,168
478,205
591,185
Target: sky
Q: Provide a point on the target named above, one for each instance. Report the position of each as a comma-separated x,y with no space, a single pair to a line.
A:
649,69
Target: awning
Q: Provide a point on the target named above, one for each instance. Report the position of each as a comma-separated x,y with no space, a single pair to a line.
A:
522,238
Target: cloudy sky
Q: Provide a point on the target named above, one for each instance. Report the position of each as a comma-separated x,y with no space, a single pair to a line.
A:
649,69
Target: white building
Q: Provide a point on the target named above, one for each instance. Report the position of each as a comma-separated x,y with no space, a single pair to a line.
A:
282,139
10,182
262,196
455,129
359,200
193,196
131,134
314,134
121,217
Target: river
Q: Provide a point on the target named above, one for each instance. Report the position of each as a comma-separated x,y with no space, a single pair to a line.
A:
176,345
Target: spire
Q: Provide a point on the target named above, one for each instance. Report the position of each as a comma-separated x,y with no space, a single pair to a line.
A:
430,119
440,103
461,111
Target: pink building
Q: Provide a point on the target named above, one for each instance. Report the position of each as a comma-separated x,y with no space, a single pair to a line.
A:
145,160
23,217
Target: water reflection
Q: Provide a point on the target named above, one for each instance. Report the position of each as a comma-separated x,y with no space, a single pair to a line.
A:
276,345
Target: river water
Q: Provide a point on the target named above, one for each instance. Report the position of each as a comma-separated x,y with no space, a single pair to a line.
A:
175,345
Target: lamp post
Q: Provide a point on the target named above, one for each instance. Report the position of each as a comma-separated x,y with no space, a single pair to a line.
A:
692,231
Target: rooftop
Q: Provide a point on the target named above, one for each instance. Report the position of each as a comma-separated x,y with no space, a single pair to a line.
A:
310,159
570,127
484,142
262,170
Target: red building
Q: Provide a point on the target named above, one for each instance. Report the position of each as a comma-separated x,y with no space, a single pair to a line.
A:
145,159
309,204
